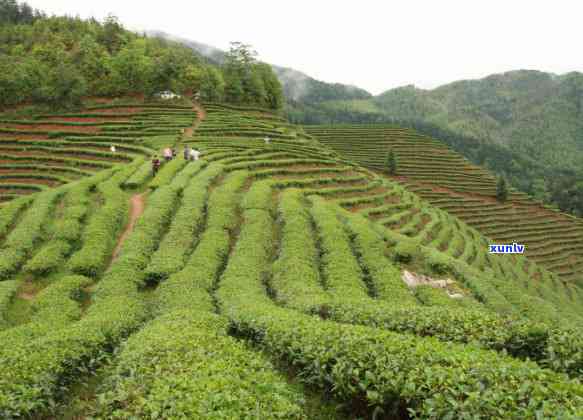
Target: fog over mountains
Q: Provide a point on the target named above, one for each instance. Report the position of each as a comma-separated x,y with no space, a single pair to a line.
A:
297,86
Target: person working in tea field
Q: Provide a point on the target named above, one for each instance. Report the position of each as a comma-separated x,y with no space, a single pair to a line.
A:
186,152
168,154
155,164
194,154
112,148
174,153
267,140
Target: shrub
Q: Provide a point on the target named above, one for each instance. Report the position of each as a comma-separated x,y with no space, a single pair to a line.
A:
234,383
387,370
185,227
405,251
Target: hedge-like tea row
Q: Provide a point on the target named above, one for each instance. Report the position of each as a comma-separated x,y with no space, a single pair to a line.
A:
386,370
296,279
66,232
35,175
194,282
75,172
79,152
55,307
10,212
59,303
21,241
206,374
34,374
50,257
102,139
179,240
296,266
140,176
342,274
102,228
62,160
7,291
167,172
384,277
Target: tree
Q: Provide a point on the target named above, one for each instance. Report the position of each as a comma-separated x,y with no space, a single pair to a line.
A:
133,69
111,34
240,57
254,88
274,98
191,79
234,91
391,163
12,12
212,86
501,190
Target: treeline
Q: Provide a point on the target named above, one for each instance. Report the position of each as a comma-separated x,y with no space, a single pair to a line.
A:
15,13
59,60
317,91
312,114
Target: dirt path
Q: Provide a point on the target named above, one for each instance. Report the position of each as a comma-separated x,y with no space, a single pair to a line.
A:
137,204
201,116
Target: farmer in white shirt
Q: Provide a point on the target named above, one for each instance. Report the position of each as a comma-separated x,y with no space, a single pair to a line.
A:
112,148
267,140
194,154
168,154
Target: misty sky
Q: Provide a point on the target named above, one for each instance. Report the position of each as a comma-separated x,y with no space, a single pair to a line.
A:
375,45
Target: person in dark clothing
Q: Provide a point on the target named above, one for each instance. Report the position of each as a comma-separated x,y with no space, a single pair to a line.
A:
155,165
174,153
186,153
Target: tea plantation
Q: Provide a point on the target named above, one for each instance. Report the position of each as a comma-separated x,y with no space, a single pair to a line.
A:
448,181
265,280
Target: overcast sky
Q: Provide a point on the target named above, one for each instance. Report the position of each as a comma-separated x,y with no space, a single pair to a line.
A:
375,45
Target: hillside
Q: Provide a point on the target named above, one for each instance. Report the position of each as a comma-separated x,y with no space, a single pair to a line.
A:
267,280
439,175
57,62
56,149
527,125
533,112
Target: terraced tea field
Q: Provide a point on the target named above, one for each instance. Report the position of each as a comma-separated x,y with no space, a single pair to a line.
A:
55,149
265,281
448,181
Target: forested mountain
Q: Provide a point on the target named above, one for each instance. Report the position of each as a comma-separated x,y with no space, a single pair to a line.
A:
526,125
535,113
57,61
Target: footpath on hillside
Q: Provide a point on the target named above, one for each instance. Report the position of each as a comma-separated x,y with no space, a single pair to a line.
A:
137,201
201,115
137,204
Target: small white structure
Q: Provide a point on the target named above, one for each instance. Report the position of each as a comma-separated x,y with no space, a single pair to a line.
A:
167,94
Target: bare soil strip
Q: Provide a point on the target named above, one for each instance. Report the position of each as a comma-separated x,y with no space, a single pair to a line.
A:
137,204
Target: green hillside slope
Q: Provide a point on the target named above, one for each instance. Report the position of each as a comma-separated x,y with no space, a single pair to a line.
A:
55,149
57,62
439,175
523,124
265,281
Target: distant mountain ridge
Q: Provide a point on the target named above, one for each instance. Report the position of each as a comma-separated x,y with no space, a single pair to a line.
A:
536,113
297,86
524,124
